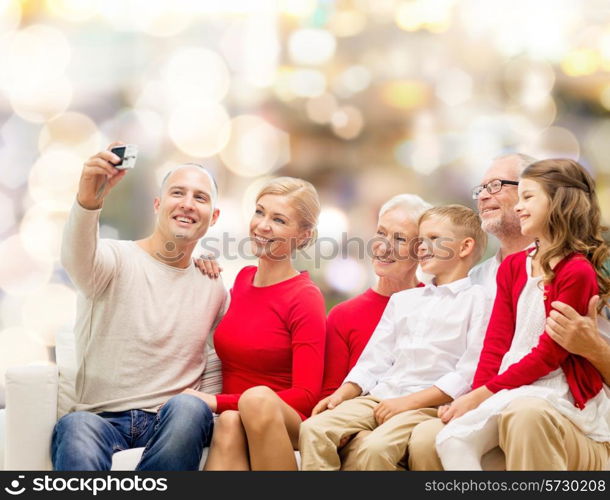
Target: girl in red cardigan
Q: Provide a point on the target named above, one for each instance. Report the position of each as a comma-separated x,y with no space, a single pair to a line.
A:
271,339
558,207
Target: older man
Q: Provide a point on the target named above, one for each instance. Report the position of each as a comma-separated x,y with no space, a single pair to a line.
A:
533,435
143,315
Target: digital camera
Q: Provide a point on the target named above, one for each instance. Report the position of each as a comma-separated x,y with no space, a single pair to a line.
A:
128,154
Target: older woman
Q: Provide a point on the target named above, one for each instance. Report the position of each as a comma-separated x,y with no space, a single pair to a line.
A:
351,323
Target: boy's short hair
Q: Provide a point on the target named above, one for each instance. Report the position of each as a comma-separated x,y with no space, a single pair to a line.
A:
467,220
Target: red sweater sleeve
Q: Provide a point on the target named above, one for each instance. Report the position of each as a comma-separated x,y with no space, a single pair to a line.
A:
337,357
500,329
306,323
226,402
574,285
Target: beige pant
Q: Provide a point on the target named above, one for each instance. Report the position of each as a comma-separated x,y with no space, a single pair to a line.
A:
381,449
533,436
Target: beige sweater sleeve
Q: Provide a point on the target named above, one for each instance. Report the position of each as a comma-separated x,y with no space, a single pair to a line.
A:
89,262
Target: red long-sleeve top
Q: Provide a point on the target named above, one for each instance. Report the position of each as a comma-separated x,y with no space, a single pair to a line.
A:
272,336
348,329
575,283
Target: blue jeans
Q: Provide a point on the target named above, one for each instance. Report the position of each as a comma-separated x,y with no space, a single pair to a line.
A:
173,438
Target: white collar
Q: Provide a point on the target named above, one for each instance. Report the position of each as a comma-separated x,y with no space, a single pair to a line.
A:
454,287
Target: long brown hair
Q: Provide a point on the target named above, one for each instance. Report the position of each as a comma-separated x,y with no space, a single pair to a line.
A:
574,217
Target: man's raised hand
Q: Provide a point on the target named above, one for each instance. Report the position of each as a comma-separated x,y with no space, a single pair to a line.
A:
98,177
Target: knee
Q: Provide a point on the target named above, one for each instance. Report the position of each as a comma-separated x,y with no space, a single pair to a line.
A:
308,428
526,416
259,409
76,424
227,428
309,432
77,442
372,453
257,401
320,426
370,447
188,406
422,447
423,438
186,413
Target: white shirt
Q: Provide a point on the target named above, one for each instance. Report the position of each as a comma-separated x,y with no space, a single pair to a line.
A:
484,274
426,336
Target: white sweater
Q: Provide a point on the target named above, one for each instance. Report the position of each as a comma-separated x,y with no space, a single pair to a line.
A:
141,325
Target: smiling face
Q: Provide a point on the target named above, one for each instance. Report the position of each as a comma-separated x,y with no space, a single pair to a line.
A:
184,210
532,209
393,255
440,245
274,228
497,210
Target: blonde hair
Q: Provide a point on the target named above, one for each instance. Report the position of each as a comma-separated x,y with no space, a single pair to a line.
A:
304,200
468,222
573,219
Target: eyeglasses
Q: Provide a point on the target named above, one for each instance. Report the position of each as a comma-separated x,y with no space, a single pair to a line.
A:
493,187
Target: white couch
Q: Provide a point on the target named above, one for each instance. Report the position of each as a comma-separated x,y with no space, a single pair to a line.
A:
2,439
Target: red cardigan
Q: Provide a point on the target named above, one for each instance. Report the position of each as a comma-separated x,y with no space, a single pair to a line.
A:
575,283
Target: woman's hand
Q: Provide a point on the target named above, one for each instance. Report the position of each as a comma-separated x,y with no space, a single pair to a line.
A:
328,403
208,265
208,399
349,390
464,404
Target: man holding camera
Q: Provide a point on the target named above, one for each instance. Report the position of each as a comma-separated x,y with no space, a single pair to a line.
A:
143,316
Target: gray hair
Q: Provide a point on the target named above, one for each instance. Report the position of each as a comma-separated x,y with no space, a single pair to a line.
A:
522,160
213,184
411,203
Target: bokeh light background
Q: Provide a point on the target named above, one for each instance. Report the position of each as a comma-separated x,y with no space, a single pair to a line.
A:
364,98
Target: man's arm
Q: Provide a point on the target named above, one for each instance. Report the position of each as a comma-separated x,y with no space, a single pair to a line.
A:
89,267
580,335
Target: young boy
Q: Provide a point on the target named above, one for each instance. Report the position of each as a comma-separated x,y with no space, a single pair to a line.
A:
422,354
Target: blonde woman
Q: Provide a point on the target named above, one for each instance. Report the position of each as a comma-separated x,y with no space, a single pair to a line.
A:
271,340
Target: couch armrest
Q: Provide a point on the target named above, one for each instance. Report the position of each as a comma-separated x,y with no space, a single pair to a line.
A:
31,413
2,439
